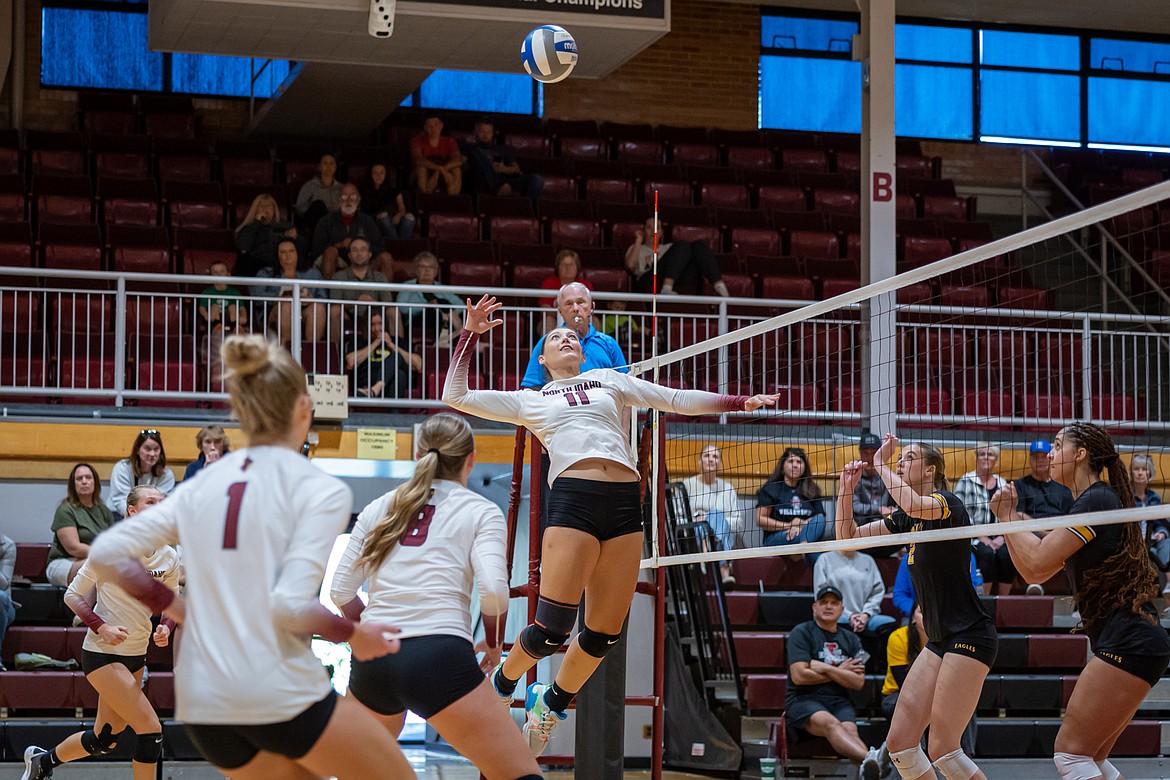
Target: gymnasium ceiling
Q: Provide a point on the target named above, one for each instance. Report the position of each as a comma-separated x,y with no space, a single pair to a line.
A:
1143,16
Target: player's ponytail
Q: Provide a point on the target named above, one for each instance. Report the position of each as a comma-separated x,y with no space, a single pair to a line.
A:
1126,579
265,384
444,443
932,456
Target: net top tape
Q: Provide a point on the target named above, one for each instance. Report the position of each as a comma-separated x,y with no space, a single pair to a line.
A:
1159,512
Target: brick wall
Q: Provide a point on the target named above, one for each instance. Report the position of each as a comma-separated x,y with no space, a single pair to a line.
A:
702,73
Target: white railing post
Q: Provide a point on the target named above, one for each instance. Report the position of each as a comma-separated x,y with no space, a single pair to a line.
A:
120,342
294,320
1087,371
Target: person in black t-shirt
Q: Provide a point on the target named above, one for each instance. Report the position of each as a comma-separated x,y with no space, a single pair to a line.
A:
1115,585
789,506
385,366
1040,494
824,664
943,687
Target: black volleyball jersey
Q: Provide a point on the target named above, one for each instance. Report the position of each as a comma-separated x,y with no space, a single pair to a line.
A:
941,571
1101,542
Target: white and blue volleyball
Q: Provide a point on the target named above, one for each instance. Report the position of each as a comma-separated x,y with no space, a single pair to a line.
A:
549,53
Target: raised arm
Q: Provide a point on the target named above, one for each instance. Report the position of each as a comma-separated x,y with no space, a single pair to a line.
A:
639,392
489,404
489,562
846,525
1037,559
908,500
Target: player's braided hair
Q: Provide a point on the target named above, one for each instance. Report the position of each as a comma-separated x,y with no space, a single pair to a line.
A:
443,444
1126,579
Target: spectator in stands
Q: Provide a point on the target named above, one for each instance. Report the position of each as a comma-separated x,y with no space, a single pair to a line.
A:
904,596
789,507
714,501
113,657
575,306
387,205
871,499
902,650
1155,532
823,666
215,338
219,303
975,489
7,569
258,235
336,230
313,315
426,312
147,465
436,159
385,366
617,323
79,518
491,168
1041,495
359,270
319,196
679,263
568,270
857,577
213,443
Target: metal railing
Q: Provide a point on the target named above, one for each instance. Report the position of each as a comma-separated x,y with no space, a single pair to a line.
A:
95,337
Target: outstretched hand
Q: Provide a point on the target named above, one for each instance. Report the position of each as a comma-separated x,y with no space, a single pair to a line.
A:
479,315
886,451
850,475
756,401
1004,503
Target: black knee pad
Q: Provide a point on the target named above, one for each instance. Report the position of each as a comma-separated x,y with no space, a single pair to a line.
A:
148,749
101,743
554,621
596,643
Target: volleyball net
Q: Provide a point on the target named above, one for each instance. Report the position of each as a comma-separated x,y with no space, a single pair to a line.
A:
975,344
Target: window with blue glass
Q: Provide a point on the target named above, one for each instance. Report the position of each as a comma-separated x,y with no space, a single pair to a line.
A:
491,93
1031,106
1129,56
205,74
1040,51
1129,112
802,34
802,93
76,50
933,44
933,102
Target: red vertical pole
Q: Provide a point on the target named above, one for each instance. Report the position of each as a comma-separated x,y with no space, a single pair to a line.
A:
659,613
514,497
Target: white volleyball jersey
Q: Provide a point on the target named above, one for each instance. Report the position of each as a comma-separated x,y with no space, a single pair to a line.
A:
579,417
424,585
256,532
117,607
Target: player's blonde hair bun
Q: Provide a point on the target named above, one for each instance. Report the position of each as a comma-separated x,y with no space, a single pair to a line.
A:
264,382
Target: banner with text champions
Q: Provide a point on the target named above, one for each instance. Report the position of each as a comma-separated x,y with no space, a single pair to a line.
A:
641,9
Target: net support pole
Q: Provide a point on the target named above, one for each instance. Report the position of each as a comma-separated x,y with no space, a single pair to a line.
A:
535,488
874,47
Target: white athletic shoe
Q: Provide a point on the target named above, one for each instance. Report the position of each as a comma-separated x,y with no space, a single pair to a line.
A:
871,766
32,764
541,720
505,698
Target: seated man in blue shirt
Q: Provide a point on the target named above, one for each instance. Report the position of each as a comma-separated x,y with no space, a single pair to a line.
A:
575,305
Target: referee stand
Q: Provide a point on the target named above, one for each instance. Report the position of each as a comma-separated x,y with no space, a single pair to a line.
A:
601,703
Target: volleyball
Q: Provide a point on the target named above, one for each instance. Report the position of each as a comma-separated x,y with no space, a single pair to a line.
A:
549,53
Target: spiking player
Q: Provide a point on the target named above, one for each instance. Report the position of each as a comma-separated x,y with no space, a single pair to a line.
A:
418,547
113,657
257,528
593,541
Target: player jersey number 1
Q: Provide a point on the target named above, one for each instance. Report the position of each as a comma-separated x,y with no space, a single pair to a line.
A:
235,493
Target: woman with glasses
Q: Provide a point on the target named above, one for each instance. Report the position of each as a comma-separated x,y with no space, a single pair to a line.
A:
146,466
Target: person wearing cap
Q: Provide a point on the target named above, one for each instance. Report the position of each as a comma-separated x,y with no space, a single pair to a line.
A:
871,500
823,666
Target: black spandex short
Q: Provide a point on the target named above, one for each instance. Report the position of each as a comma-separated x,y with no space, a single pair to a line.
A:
230,747
91,661
425,676
604,510
800,709
1135,645
980,642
